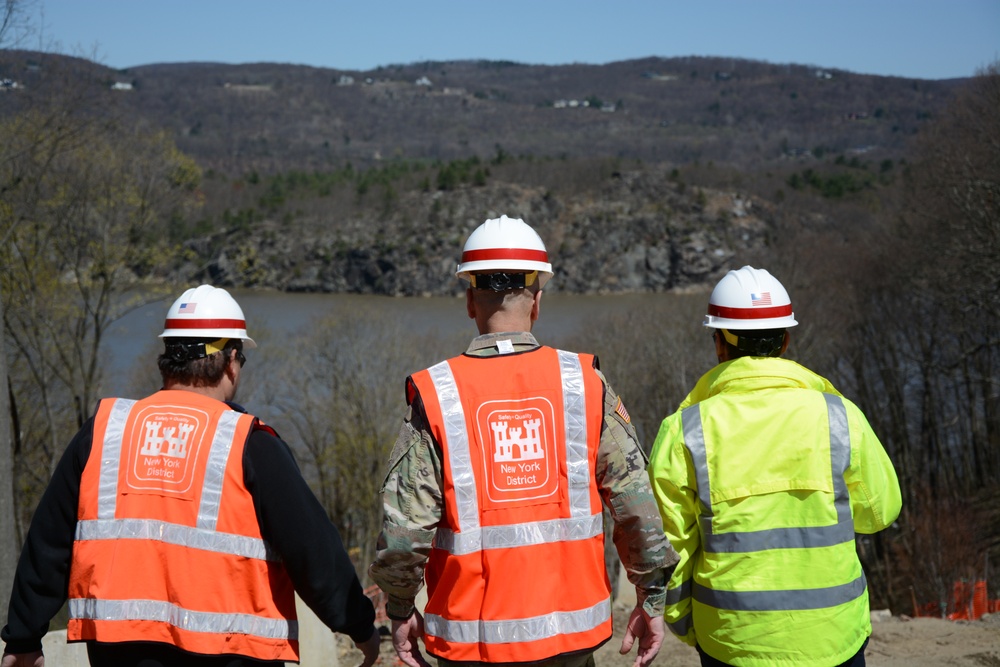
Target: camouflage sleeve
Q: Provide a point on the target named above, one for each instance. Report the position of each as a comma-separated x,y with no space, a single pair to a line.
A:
624,486
412,502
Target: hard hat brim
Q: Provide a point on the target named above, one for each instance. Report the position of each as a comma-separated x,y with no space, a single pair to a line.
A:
248,342
715,322
544,269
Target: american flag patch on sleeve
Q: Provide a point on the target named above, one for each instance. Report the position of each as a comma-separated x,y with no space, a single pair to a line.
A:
623,412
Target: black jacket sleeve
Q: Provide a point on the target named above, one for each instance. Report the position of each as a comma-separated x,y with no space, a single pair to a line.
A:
294,523
41,583
290,517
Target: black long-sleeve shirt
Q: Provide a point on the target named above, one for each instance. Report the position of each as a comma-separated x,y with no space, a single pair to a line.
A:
291,520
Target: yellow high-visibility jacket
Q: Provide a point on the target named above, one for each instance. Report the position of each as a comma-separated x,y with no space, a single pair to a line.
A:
763,476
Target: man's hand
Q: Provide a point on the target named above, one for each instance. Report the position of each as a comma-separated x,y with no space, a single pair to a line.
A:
404,639
33,659
369,647
649,632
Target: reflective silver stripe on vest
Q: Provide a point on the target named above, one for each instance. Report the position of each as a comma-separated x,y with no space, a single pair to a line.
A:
518,630
107,527
575,424
111,451
787,600
519,535
471,537
171,533
694,440
840,456
775,538
215,472
458,460
186,619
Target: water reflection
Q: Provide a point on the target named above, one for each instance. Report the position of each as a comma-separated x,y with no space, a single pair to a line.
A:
275,317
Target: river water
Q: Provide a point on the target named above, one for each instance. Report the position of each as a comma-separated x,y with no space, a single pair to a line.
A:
272,316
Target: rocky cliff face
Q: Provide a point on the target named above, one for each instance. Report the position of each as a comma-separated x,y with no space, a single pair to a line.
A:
638,232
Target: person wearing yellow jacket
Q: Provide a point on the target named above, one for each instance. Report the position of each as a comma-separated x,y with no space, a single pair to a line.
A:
763,476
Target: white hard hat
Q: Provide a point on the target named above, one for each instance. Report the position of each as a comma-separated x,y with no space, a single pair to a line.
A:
749,298
505,244
206,312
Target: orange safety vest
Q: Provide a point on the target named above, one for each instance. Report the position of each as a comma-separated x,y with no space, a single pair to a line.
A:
516,572
167,544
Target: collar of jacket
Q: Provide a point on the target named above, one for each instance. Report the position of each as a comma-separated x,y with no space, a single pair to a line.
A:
486,345
753,373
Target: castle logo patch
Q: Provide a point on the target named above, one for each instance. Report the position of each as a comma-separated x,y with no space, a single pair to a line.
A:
518,438
165,453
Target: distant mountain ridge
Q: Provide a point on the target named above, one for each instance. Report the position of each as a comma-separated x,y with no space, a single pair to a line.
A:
342,181
273,117
676,110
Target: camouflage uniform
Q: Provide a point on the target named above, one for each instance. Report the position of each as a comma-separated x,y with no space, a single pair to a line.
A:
413,501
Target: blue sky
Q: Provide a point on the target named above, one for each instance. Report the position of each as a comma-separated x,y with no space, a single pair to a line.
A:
931,39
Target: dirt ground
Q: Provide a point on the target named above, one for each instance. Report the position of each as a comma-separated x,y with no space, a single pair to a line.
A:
896,642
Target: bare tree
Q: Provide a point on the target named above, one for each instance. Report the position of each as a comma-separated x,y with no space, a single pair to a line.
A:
87,219
339,392
13,27
929,345
87,200
15,22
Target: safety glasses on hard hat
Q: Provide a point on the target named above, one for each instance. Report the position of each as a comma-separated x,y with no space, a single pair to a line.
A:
223,343
503,281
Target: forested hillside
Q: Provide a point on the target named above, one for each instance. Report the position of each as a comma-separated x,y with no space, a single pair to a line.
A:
273,117
875,200
277,117
660,172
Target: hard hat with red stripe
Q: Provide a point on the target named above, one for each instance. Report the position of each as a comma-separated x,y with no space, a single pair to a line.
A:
206,312
504,244
747,299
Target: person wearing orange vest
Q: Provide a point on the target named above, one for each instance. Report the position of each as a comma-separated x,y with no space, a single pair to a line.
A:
496,486
179,528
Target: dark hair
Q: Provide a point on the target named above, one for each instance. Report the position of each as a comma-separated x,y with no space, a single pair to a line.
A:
184,361
755,342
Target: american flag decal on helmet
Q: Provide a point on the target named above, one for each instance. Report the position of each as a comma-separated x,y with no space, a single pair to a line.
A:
620,409
761,299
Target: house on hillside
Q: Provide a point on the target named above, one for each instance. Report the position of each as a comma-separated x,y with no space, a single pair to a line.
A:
248,87
656,76
423,81
345,80
121,85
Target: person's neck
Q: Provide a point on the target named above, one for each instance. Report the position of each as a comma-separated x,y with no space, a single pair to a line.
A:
504,325
218,392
